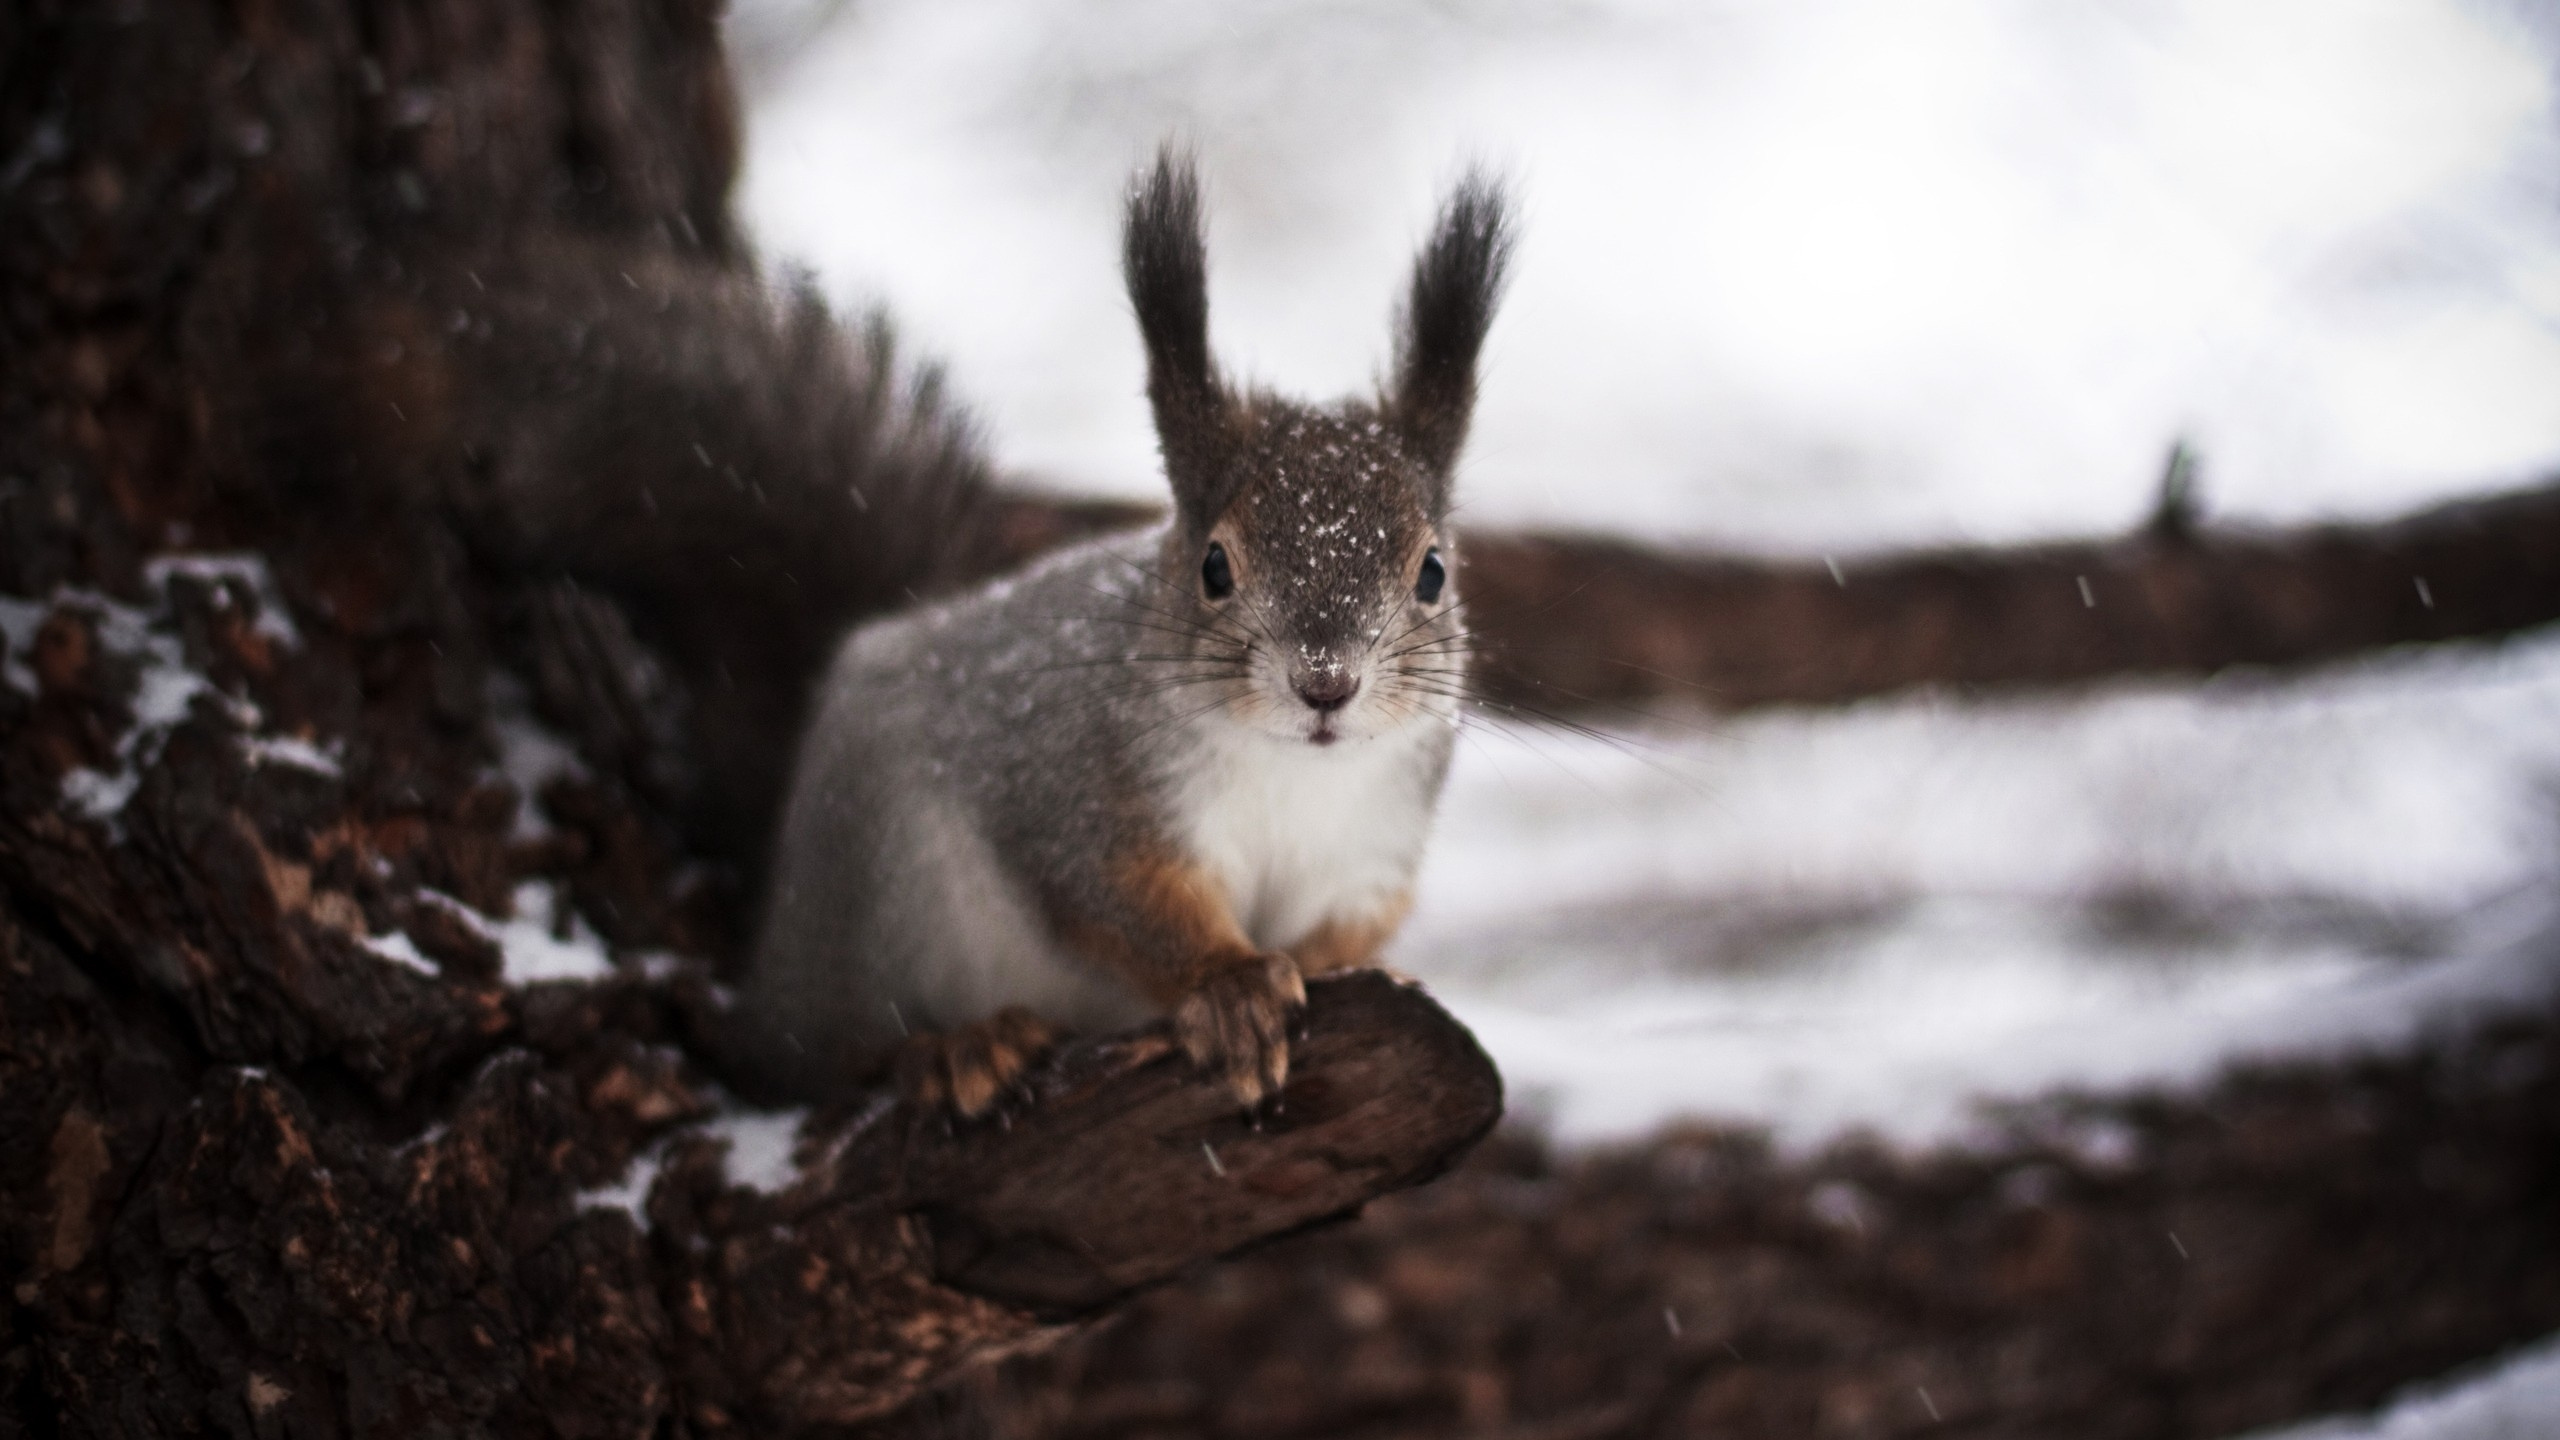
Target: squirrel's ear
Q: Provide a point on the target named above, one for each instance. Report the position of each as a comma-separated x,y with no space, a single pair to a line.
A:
1457,280
1166,266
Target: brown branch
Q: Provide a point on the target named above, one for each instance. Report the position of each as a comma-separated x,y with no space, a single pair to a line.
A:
1130,1175
2288,1241
278,1252
1567,621
1575,620
915,1250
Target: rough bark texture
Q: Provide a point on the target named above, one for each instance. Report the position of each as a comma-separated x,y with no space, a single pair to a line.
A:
385,383
455,279
197,1246
2288,1242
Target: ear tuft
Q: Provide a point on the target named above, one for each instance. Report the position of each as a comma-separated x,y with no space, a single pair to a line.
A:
1457,281
1165,263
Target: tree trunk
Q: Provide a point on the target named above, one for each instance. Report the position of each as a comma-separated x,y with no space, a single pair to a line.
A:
380,379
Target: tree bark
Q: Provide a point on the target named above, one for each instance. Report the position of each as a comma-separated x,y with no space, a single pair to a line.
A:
250,1249
380,379
2288,1241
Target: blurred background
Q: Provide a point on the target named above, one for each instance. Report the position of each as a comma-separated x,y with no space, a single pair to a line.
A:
1845,274
1825,280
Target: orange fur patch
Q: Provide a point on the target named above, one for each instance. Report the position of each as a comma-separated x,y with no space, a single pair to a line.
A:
1348,945
1189,930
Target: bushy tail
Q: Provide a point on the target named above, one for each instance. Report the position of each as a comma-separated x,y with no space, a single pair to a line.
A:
742,473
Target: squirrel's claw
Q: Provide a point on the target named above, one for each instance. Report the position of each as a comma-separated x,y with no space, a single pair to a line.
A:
1235,1023
964,1072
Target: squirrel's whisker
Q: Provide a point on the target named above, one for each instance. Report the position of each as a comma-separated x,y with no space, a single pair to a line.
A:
1189,625
1105,662
1633,747
1195,634
1427,618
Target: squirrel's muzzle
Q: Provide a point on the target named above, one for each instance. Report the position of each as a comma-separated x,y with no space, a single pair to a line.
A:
1326,690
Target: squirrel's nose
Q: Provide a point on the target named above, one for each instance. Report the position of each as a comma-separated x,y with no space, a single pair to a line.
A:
1326,691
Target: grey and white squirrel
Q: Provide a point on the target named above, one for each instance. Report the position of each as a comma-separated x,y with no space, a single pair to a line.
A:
1170,771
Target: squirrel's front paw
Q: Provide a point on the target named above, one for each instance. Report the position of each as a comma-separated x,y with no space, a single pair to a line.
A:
1236,1023
963,1071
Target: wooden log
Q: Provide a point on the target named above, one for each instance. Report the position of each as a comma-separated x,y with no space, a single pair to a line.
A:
1134,1170
2284,1242
906,1249
1582,621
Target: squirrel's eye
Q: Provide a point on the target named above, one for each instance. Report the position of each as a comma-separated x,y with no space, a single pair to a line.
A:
1215,578
1434,575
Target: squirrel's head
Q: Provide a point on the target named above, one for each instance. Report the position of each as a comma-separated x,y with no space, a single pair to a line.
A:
1312,545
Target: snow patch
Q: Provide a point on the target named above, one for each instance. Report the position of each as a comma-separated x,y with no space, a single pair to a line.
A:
480,925
19,620
291,750
275,620
759,1158
631,1193
760,1146
165,688
161,700
401,950
2516,1398
533,953
529,951
163,692
659,966
1884,916
530,755
98,794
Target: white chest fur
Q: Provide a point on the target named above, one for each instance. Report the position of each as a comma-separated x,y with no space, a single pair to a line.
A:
1300,834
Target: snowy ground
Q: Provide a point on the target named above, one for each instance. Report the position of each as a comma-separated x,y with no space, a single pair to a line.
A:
2517,1398
1868,917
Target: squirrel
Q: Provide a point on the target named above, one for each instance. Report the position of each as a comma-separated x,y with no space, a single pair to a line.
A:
1175,770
